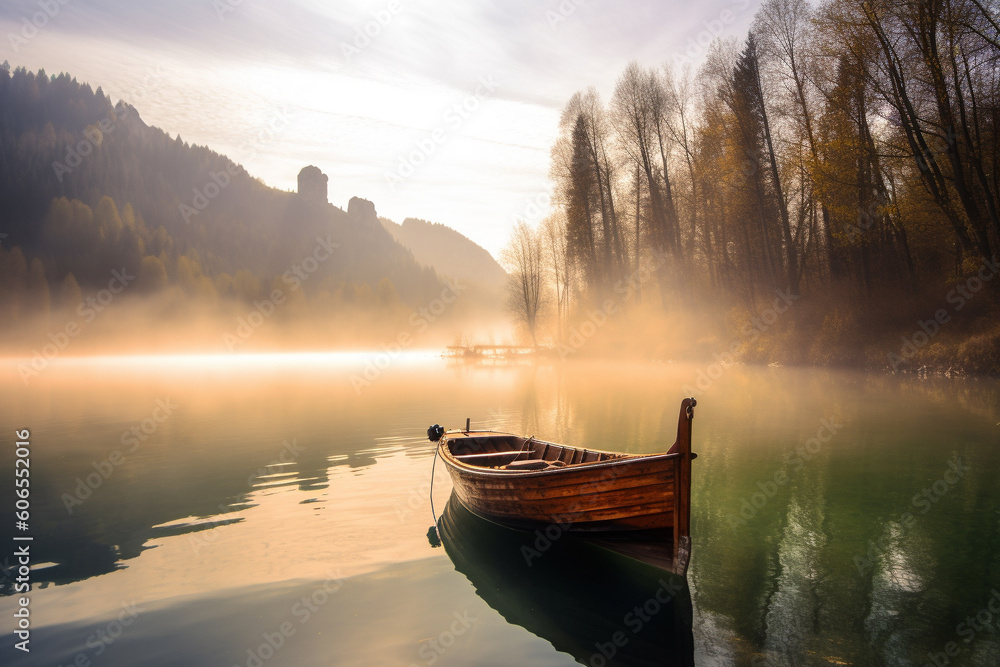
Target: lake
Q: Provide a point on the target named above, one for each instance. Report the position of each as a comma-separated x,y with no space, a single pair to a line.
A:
274,510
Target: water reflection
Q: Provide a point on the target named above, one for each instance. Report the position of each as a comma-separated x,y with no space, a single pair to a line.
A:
816,569
601,608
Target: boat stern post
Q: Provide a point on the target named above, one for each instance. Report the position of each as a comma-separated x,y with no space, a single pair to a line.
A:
682,473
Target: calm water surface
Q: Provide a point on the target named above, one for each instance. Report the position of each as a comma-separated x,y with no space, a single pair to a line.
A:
268,511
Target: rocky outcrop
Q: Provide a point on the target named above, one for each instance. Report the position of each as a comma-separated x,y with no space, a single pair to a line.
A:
313,185
361,209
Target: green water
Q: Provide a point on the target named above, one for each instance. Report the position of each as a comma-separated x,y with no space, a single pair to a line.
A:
268,511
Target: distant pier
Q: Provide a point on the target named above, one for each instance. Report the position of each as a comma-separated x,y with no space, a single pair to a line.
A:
497,352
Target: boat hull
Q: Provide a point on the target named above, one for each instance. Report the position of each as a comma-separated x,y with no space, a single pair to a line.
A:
622,495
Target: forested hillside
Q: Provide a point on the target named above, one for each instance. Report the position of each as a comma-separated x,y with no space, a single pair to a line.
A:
448,252
87,188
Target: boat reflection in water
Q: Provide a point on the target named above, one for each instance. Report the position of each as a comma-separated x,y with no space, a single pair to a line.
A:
601,607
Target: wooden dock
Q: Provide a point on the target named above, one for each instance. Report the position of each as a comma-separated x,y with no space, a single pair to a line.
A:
506,352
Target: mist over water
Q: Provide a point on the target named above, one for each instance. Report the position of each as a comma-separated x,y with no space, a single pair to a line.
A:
848,517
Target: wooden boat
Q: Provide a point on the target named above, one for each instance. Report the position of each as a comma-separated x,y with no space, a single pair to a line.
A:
530,483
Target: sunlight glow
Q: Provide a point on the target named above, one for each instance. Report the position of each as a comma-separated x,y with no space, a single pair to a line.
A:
260,360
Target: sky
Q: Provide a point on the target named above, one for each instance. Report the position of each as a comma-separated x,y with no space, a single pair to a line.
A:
444,111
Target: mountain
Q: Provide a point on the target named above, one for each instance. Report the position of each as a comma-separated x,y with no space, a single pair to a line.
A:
448,252
87,188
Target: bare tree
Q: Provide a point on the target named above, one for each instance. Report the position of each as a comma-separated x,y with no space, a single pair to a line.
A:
554,238
585,184
523,258
782,29
636,105
679,101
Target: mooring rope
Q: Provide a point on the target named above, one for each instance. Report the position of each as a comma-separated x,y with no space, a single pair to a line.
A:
433,466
